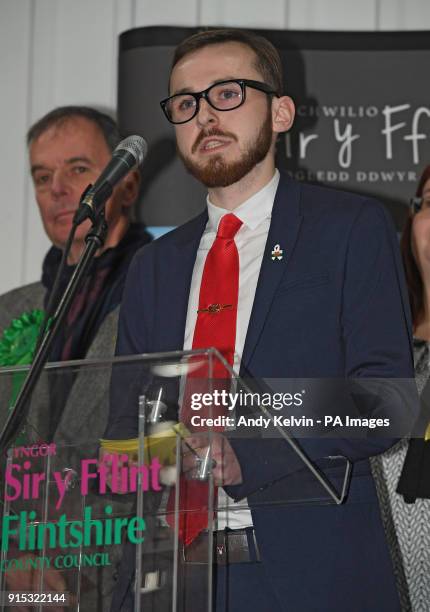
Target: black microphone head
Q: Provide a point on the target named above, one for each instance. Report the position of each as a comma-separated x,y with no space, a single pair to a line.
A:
135,145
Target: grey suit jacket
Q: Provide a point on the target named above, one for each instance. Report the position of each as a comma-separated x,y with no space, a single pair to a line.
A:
81,425
83,417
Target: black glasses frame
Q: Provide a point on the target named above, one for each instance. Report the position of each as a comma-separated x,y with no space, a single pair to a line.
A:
243,83
416,204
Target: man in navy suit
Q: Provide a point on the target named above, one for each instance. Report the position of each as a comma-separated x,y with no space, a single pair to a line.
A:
321,295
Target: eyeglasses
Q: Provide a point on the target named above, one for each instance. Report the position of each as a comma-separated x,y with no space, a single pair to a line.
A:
222,96
420,204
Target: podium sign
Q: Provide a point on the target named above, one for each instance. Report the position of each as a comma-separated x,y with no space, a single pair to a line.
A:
119,488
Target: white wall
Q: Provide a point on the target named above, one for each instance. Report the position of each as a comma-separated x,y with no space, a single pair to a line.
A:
55,52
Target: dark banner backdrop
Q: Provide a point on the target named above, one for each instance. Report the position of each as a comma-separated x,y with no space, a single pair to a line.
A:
363,114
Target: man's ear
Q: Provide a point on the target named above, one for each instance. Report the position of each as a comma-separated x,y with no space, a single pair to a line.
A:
283,112
130,186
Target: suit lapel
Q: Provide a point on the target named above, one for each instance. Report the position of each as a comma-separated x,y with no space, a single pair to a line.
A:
176,287
284,228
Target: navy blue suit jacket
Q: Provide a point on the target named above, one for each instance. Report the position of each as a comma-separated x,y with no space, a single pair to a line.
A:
335,306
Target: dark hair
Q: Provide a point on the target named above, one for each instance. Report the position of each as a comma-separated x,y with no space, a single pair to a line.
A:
413,276
267,60
106,124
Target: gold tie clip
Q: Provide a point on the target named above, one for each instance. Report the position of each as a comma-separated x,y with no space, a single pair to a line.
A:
214,308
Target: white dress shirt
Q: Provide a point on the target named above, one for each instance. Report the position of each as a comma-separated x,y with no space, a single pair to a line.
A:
255,214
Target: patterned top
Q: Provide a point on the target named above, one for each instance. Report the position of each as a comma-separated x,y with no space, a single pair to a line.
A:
407,526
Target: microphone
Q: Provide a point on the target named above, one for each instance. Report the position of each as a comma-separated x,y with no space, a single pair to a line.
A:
129,154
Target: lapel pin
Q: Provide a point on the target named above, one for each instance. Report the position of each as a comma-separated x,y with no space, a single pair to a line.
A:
277,252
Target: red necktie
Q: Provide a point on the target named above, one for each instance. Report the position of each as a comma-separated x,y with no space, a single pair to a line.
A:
215,327
219,290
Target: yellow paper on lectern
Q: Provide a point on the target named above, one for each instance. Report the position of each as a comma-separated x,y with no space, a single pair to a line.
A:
161,443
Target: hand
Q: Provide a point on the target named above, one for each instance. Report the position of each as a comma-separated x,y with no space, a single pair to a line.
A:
105,458
30,580
226,468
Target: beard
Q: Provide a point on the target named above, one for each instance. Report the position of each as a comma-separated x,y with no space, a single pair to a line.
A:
216,172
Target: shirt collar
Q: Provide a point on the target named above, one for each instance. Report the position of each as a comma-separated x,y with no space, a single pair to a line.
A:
253,211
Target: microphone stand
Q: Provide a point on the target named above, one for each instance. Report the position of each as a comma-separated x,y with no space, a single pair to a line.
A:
95,239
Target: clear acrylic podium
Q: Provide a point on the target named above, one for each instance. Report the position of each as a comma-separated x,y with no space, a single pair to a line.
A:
96,508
